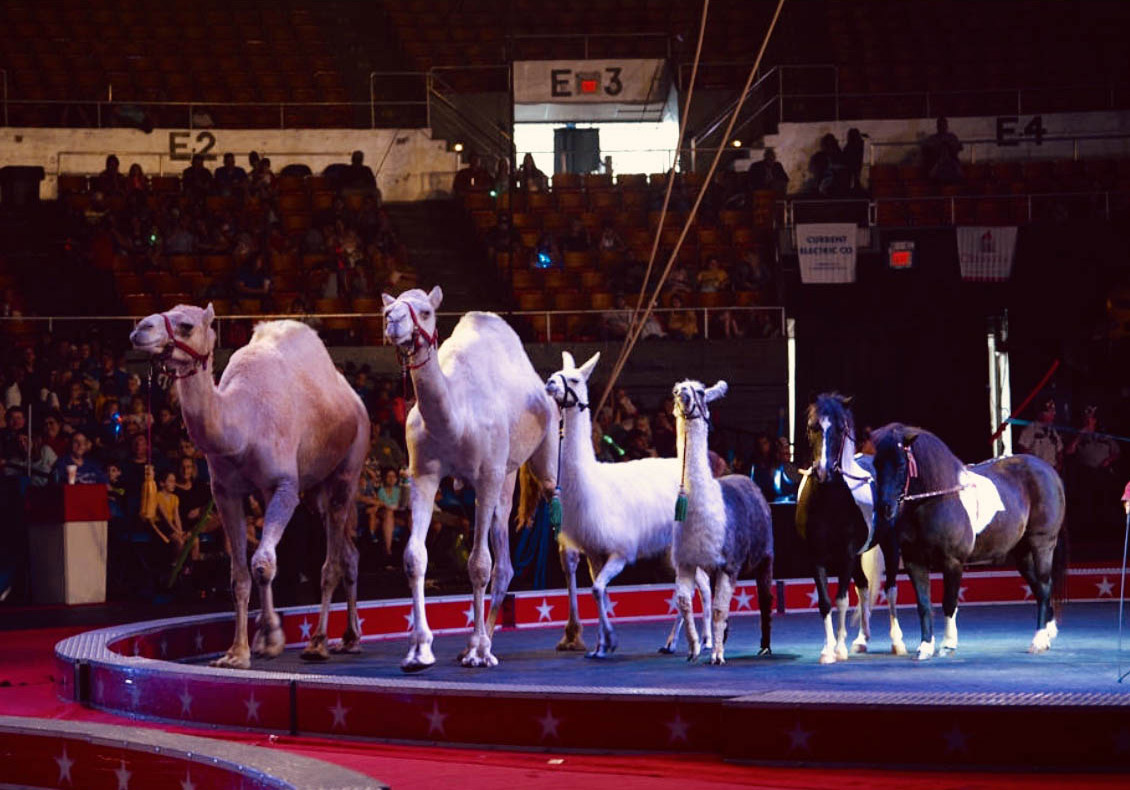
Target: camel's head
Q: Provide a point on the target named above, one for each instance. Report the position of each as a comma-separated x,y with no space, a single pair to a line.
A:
181,338
692,396
570,385
410,319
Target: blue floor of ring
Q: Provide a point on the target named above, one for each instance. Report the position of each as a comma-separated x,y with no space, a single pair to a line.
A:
991,657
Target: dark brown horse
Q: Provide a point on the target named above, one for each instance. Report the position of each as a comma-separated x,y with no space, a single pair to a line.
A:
947,515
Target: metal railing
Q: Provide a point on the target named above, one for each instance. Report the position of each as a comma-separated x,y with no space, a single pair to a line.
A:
1047,148
535,319
585,39
154,163
1100,200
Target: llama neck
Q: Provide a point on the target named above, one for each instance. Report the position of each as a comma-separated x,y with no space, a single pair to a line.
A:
694,454
577,451
433,397
203,409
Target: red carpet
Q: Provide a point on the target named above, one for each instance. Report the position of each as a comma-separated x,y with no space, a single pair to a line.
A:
26,690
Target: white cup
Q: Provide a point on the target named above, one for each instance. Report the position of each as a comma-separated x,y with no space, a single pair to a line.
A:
72,474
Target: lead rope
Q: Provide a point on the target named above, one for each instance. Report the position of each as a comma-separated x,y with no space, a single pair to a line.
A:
681,499
555,513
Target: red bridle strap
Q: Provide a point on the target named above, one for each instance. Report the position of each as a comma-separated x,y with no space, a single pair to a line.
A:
199,360
421,339
911,469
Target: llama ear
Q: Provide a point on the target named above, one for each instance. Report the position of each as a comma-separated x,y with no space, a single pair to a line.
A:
845,400
567,361
209,314
435,296
587,368
388,301
717,391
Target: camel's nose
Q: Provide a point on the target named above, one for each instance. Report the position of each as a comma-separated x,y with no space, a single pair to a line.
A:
139,331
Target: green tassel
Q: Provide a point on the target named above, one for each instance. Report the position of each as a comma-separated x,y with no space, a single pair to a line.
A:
681,505
555,511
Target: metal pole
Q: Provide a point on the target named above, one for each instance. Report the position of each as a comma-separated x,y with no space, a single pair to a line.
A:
548,336
706,323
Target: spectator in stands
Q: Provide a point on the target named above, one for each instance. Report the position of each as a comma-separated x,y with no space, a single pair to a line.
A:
547,253
786,474
767,174
358,177
729,326
610,240
53,434
853,161
835,180
137,189
88,470
383,449
229,180
251,280
262,184
1041,439
179,239
196,180
614,323
578,238
10,447
529,178
167,520
110,181
473,177
679,280
78,411
681,324
939,154
817,169
761,465
194,495
713,278
503,178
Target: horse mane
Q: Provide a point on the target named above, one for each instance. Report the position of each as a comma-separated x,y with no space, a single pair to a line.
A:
938,467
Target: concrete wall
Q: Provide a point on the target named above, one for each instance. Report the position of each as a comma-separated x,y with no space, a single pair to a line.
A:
409,164
898,141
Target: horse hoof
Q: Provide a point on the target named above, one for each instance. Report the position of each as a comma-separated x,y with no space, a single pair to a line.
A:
600,652
898,649
231,660
348,648
717,661
947,650
1053,630
841,654
827,657
413,665
666,650
572,645
765,651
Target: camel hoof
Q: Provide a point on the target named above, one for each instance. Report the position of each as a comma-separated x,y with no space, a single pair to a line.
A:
413,665
230,660
692,656
350,647
315,653
600,652
827,657
765,651
946,650
574,644
485,660
666,650
717,661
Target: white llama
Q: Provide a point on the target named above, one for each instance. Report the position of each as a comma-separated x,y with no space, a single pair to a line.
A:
727,526
614,513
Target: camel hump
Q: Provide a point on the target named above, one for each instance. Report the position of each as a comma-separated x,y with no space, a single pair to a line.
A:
290,343
284,332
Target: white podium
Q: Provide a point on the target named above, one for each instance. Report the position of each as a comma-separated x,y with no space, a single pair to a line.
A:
67,543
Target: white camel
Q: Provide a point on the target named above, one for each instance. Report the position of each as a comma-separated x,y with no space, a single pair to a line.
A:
727,526
614,513
282,421
481,412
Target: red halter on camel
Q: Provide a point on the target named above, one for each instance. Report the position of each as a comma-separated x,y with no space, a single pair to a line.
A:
420,340
199,361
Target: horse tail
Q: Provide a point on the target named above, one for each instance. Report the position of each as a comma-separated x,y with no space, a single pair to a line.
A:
1059,574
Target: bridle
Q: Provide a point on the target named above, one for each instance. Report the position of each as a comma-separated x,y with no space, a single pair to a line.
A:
570,398
697,410
199,361
837,465
421,339
912,472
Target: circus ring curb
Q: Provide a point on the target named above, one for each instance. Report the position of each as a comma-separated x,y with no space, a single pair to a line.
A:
47,753
132,670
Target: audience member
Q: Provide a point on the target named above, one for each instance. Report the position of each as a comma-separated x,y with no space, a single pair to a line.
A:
110,181
472,177
1041,439
939,154
681,324
767,174
853,161
87,470
229,180
1090,470
529,178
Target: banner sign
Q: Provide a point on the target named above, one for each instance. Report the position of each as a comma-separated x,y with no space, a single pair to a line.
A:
826,252
986,254
587,81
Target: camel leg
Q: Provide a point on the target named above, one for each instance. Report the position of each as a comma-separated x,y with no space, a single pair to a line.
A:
269,639
423,496
317,648
723,592
571,640
230,506
503,571
488,491
606,644
765,604
684,599
342,526
673,637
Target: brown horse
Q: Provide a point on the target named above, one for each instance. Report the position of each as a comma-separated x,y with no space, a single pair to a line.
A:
947,515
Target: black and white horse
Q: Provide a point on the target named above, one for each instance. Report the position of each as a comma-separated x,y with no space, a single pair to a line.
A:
834,518
947,515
